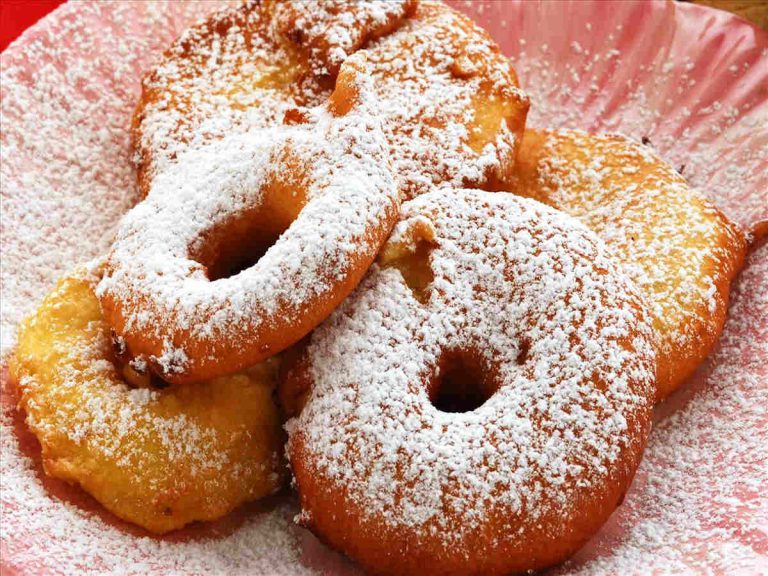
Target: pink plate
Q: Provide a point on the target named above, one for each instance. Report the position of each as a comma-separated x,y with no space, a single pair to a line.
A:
692,80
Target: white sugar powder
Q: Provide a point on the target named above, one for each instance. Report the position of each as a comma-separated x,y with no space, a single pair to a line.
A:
698,504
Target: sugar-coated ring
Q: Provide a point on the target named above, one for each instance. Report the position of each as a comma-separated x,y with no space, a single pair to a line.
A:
453,112
321,184
480,403
160,458
244,67
680,251
326,32
448,99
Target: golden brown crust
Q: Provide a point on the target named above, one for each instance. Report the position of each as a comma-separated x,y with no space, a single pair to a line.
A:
341,524
447,100
319,196
157,458
434,67
526,319
680,250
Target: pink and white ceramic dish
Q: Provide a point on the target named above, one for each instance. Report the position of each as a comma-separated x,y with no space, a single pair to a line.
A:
691,80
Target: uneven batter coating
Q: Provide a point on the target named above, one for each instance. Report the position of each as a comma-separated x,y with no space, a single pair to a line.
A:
157,458
448,98
680,251
243,68
182,287
326,32
452,109
480,403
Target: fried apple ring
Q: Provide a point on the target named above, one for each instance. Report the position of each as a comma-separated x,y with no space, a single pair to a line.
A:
452,109
480,403
158,458
680,251
448,99
244,68
323,188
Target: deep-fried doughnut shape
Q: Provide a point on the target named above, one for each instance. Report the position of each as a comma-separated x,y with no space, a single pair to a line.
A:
680,251
157,458
448,98
320,191
244,67
454,114
480,403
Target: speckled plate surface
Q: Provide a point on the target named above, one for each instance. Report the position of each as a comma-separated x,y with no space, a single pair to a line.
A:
692,80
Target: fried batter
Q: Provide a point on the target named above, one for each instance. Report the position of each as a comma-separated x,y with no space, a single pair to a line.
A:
160,458
679,249
448,98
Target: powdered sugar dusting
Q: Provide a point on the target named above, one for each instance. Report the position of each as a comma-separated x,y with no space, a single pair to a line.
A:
244,67
350,193
559,425
697,506
64,140
678,249
213,92
433,75
706,116
174,455
333,30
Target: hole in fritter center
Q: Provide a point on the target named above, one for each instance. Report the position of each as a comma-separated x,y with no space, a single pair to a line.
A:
464,382
240,241
232,257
